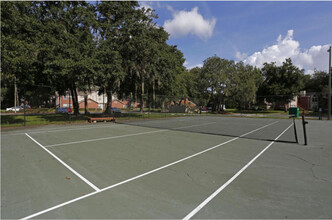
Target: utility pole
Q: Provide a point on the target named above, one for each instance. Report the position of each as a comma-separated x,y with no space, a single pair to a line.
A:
70,96
329,96
15,94
103,101
24,108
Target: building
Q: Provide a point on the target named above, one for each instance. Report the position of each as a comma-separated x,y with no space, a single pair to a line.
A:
92,104
308,101
95,101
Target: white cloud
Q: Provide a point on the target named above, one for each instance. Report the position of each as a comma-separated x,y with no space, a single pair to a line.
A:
314,58
189,22
240,56
193,66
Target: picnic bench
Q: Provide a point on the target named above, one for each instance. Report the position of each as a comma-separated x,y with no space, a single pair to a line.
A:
104,119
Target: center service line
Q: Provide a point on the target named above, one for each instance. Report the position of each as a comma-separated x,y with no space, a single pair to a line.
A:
66,165
206,201
141,175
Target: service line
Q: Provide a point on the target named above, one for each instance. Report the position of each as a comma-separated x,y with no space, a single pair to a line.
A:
141,175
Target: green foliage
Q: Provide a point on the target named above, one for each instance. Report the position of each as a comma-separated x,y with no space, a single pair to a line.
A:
116,47
226,81
18,49
244,82
151,63
213,74
281,83
111,29
67,46
318,82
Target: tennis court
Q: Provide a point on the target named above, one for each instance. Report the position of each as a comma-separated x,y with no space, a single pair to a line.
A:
177,168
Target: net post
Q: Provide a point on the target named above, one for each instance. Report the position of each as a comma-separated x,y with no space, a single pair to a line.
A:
294,125
304,130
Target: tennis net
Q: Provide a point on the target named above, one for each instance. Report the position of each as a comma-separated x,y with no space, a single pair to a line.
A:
249,128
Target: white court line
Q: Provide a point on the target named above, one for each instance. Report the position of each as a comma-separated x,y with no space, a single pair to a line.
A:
66,165
121,136
101,139
141,175
77,128
64,130
206,201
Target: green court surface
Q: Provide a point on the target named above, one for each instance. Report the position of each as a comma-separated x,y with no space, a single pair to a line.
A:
178,168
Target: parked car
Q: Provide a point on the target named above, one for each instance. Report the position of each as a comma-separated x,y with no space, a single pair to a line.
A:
64,110
18,108
115,110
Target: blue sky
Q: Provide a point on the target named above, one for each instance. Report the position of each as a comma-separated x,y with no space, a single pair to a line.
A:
253,32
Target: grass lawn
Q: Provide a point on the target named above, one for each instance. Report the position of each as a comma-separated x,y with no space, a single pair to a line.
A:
47,119
32,120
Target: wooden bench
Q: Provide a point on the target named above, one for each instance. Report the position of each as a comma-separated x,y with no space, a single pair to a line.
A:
104,119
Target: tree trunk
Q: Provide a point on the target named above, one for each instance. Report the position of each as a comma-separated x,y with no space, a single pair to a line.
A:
109,102
74,99
222,103
86,112
148,99
77,107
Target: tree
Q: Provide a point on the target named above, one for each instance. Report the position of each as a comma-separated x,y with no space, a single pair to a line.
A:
113,21
214,75
318,83
187,85
19,51
196,87
141,50
281,83
168,69
151,64
67,46
244,83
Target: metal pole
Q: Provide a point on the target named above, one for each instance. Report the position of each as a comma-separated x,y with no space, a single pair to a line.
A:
329,96
24,107
297,141
15,94
70,95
